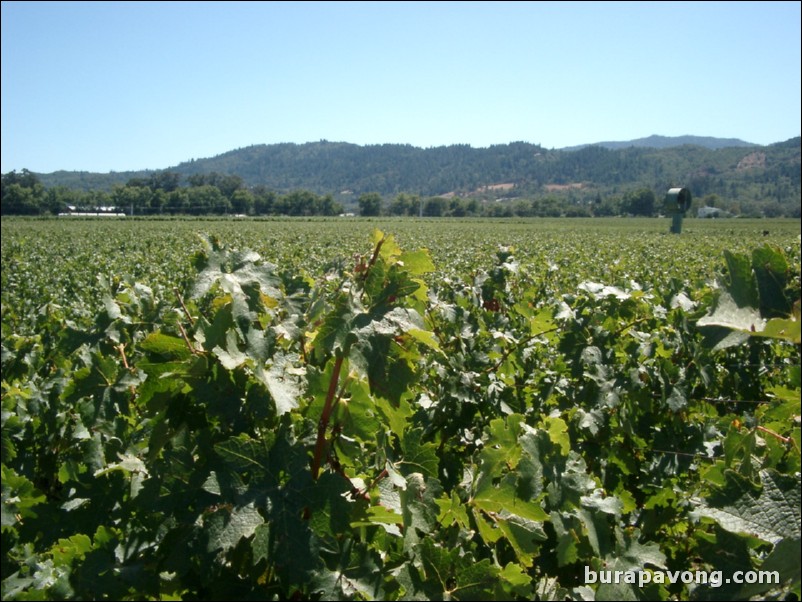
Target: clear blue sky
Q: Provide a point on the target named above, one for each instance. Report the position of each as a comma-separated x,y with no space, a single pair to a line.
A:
102,86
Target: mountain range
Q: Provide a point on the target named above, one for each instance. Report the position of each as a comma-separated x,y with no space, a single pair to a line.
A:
655,141
729,168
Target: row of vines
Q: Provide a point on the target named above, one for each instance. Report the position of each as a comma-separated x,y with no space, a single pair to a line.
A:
370,426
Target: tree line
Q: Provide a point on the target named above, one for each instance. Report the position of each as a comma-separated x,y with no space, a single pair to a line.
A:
170,193
162,193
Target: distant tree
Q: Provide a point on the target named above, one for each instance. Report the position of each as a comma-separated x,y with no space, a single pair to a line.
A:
178,201
577,210
158,200
608,207
711,200
197,179
300,202
522,208
56,199
330,207
639,202
435,206
61,198
370,204
132,199
21,193
205,199
222,206
405,204
228,185
165,180
138,183
772,209
280,206
242,201
499,209
18,200
263,200
25,178
549,206
456,208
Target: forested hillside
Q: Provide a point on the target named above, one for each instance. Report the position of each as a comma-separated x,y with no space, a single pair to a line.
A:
752,180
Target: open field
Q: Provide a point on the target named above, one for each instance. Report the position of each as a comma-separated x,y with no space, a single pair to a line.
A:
56,260
400,409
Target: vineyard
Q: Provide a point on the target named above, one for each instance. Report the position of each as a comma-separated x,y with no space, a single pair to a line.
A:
410,409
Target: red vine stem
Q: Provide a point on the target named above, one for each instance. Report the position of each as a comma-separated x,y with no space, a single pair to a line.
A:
183,306
777,436
375,254
323,424
121,349
187,341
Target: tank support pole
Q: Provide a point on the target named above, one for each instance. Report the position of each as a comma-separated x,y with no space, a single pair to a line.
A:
676,223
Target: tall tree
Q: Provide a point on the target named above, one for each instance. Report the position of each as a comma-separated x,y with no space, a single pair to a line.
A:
132,199
301,202
329,207
205,199
263,200
165,180
242,201
639,202
19,200
434,206
405,204
370,204
21,193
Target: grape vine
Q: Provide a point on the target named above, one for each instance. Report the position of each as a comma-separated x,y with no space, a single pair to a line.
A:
367,432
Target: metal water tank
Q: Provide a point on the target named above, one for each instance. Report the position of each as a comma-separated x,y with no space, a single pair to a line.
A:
676,203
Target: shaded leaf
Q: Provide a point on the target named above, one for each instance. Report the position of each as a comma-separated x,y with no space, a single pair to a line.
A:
225,529
771,513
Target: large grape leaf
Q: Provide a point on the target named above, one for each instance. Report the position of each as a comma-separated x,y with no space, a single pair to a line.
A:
740,320
234,270
753,302
772,274
770,513
283,379
457,576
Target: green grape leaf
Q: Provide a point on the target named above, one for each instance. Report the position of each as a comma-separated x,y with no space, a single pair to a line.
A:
727,313
523,535
558,433
231,357
418,456
497,499
165,345
771,273
284,381
771,512
417,262
19,497
226,527
742,285
516,582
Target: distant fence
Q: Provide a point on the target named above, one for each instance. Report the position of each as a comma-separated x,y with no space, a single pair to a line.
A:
93,214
